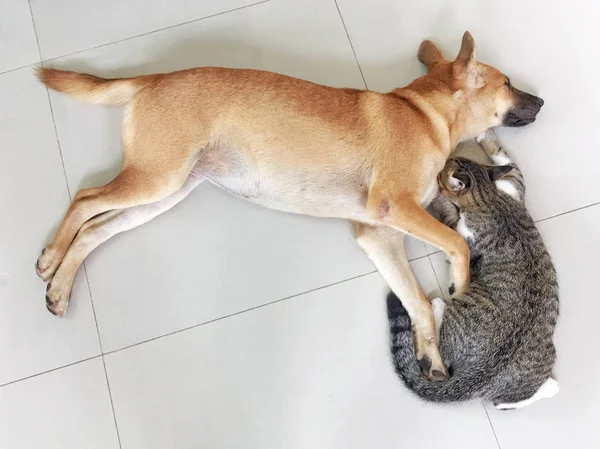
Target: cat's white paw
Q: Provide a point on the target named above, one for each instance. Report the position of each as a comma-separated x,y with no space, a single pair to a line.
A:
548,389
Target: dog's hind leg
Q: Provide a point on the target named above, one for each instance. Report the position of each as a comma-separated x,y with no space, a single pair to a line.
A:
134,186
97,230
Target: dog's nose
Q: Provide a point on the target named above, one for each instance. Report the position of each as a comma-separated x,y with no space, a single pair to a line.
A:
539,101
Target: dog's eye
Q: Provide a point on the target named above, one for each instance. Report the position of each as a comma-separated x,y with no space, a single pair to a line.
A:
507,82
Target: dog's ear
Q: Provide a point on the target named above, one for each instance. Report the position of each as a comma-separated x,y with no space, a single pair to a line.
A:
465,66
429,54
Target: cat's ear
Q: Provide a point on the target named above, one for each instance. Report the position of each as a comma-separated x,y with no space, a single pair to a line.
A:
455,184
496,172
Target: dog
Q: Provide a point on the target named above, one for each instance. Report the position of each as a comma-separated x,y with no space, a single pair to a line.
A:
295,146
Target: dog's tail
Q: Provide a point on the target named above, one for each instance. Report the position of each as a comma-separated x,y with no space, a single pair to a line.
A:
455,389
92,89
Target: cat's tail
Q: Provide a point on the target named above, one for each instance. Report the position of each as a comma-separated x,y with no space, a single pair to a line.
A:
405,360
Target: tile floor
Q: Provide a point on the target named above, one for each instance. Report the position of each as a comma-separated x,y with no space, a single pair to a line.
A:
223,325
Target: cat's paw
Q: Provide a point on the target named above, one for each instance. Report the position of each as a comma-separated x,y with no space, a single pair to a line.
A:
489,141
488,135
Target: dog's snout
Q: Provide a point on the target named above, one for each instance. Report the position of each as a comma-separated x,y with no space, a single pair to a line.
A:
534,102
539,101
525,109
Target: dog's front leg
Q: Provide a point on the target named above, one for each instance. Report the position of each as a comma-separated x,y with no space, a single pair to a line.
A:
408,216
385,247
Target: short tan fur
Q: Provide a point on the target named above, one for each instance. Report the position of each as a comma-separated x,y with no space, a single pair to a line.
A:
291,145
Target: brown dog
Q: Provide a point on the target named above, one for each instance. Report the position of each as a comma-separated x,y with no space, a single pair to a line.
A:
295,146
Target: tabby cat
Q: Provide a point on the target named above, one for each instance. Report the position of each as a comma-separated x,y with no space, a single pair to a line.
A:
496,339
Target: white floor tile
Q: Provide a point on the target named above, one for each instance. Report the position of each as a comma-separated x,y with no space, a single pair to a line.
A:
425,275
442,272
18,46
550,56
214,254
85,25
64,409
414,248
309,372
570,419
33,196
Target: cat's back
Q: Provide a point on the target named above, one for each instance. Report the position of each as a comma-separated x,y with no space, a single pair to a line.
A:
504,324
522,285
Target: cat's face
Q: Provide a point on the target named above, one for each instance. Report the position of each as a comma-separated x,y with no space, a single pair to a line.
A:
469,184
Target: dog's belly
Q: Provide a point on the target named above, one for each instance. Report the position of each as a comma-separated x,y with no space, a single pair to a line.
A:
315,199
340,207
338,189
429,192
335,199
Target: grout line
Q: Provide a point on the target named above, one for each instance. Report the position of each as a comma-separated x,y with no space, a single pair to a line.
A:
155,31
19,68
443,296
184,329
112,405
87,281
568,212
84,266
418,258
37,41
541,220
65,173
351,45
49,371
102,354
491,425
239,313
62,160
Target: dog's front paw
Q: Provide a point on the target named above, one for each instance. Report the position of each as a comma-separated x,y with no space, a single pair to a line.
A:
458,289
428,355
451,283
435,372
